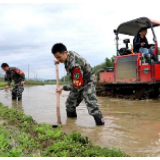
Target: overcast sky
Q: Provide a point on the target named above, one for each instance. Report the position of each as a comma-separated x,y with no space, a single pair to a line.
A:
28,31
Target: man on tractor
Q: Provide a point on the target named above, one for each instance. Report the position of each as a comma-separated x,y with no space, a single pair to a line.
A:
140,44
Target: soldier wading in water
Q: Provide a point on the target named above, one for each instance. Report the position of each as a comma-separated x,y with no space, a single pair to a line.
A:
83,82
18,77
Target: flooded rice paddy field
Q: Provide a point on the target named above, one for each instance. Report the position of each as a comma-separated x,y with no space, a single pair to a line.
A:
132,126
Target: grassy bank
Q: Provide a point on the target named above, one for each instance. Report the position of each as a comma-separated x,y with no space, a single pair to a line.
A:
20,136
61,83
3,84
44,83
27,83
30,83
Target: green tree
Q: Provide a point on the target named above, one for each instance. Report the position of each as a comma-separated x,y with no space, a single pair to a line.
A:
65,78
98,67
109,62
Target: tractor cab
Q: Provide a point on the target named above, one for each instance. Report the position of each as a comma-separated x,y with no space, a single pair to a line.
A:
135,74
132,28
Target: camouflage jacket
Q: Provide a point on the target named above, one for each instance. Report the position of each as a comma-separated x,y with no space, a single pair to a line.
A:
14,74
79,71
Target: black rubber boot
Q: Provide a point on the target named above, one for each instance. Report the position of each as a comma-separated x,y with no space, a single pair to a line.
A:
14,97
19,98
71,114
154,57
99,120
147,56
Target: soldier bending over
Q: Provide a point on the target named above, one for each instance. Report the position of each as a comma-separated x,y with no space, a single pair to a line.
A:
83,82
18,76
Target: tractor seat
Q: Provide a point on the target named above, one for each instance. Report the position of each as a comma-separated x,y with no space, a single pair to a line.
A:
124,51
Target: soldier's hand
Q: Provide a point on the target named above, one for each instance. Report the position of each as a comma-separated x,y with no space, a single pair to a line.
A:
6,87
22,82
59,90
56,61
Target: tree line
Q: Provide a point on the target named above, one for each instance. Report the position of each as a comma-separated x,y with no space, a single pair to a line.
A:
109,62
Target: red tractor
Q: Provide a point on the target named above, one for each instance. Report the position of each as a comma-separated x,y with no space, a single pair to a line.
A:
133,75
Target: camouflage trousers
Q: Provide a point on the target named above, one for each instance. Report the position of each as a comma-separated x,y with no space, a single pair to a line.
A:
17,91
89,96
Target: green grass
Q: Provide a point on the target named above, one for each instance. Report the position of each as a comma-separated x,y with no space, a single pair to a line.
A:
3,84
20,136
43,83
61,83
34,83
30,83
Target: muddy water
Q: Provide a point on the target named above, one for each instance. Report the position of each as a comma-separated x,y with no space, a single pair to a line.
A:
132,126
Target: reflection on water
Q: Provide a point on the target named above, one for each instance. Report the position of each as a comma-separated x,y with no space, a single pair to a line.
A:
132,126
17,105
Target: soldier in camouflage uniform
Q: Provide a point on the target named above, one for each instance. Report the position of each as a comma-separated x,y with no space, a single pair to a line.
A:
83,82
18,76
